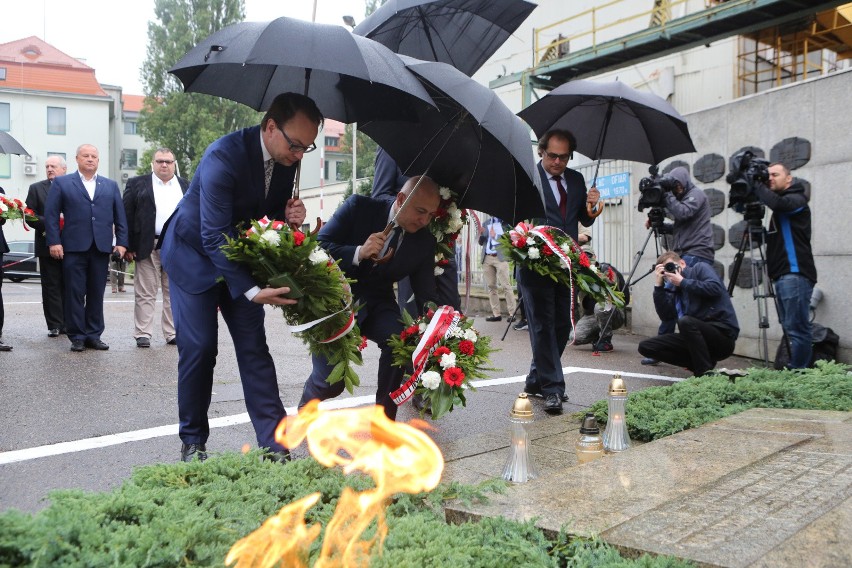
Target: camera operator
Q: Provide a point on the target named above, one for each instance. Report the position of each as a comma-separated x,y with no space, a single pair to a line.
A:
790,261
706,321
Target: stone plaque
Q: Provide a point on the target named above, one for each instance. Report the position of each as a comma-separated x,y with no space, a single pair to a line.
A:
709,168
716,199
720,269
718,237
676,164
745,278
792,152
735,235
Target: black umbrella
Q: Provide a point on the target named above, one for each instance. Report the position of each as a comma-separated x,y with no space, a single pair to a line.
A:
463,33
472,144
9,145
351,78
612,120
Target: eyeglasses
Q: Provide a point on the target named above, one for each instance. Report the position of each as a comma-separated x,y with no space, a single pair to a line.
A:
161,162
560,157
297,147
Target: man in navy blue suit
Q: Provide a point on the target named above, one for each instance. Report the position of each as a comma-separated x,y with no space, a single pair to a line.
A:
547,305
354,237
92,212
242,176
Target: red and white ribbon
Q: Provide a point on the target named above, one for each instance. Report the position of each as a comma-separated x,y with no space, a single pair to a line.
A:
440,326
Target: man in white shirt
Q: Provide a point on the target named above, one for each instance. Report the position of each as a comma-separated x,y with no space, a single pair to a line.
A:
495,269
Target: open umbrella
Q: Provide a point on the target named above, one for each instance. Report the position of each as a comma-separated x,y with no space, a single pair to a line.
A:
472,144
463,33
351,78
612,120
9,145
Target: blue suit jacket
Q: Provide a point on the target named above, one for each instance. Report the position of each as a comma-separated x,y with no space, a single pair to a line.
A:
226,192
87,221
356,219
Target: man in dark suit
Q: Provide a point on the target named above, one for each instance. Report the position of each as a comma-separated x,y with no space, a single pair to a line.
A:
4,248
242,176
52,281
354,237
547,305
93,212
149,201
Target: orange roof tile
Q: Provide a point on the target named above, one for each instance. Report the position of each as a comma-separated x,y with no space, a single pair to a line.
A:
34,65
133,103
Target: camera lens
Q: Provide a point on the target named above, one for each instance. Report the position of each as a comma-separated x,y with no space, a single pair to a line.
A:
670,267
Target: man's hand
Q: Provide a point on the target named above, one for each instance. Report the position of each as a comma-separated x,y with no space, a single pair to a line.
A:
372,246
659,271
582,238
129,256
273,297
647,223
593,196
295,212
674,277
119,249
57,252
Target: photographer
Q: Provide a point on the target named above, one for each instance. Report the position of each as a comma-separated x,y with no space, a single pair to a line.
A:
696,298
790,261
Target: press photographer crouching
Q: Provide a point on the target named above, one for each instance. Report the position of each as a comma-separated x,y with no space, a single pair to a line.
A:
697,299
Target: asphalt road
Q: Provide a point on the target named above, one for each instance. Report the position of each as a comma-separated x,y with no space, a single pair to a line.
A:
85,420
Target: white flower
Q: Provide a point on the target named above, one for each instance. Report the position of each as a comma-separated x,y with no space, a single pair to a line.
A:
470,335
445,193
454,225
454,211
438,271
566,248
431,380
318,256
439,235
533,253
272,237
457,332
439,257
3,207
448,360
421,326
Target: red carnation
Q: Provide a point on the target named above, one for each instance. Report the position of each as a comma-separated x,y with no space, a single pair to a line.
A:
363,344
610,274
584,260
466,347
442,350
443,262
547,251
403,335
454,376
440,213
277,225
298,238
412,329
521,242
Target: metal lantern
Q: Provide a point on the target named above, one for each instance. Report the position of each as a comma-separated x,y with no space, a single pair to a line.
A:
615,437
519,467
589,446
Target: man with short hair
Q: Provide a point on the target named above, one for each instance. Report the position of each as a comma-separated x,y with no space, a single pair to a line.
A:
52,281
789,258
495,270
91,207
698,301
149,201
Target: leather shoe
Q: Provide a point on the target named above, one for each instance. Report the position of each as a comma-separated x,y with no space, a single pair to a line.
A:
188,452
494,318
553,404
97,344
77,345
143,342
171,341
53,332
4,347
536,392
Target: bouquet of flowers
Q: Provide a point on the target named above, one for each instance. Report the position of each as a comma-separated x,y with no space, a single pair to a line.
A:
325,318
13,208
445,351
446,226
551,253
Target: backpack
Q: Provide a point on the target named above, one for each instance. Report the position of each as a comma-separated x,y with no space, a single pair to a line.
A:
825,343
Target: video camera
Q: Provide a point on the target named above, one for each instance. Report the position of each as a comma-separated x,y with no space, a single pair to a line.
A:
653,188
745,172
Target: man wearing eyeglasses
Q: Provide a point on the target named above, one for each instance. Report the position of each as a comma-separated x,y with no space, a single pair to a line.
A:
547,305
242,176
149,201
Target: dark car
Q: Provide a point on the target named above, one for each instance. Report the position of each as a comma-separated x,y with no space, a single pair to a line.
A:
20,262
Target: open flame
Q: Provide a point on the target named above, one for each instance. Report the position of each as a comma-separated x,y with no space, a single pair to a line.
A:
399,457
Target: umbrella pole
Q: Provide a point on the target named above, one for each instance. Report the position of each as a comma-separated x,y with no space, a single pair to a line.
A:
428,32
295,226
596,210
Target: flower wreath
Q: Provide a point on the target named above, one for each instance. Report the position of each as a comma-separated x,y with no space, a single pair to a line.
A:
325,318
445,352
12,208
446,227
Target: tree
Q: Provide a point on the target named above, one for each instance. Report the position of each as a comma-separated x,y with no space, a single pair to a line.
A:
366,156
186,123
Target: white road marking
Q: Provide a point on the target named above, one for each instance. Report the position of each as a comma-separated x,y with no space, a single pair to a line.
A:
236,419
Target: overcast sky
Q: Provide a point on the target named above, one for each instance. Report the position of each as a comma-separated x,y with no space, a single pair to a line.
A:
112,35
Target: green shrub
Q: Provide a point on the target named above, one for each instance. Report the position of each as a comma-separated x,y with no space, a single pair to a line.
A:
661,411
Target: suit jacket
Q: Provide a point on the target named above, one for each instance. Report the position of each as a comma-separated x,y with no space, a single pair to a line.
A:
141,211
226,191
575,187
4,247
87,221
356,219
37,201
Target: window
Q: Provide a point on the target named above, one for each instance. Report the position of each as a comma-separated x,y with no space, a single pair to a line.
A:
5,113
327,164
129,127
128,159
2,73
332,141
5,166
55,120
60,154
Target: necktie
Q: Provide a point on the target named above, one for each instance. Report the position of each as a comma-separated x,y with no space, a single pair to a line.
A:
393,241
563,197
267,179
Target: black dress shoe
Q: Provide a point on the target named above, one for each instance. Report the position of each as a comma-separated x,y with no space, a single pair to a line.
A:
536,392
553,404
53,332
493,318
143,342
78,345
97,344
171,341
4,347
189,452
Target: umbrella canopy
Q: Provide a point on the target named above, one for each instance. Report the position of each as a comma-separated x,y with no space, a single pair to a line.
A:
463,33
351,78
472,144
9,145
612,120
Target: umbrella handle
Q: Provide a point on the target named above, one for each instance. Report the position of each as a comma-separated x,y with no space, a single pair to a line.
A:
389,253
297,227
594,211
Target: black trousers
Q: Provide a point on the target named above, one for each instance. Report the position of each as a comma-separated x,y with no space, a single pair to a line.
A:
697,345
52,292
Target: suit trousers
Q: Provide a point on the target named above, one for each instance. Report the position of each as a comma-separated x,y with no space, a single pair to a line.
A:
52,292
2,309
85,275
698,346
381,321
147,279
197,325
496,273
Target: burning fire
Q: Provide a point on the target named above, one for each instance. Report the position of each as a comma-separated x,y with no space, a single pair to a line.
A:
399,458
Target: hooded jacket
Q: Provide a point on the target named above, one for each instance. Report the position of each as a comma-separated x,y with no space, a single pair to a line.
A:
703,296
692,230
788,239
